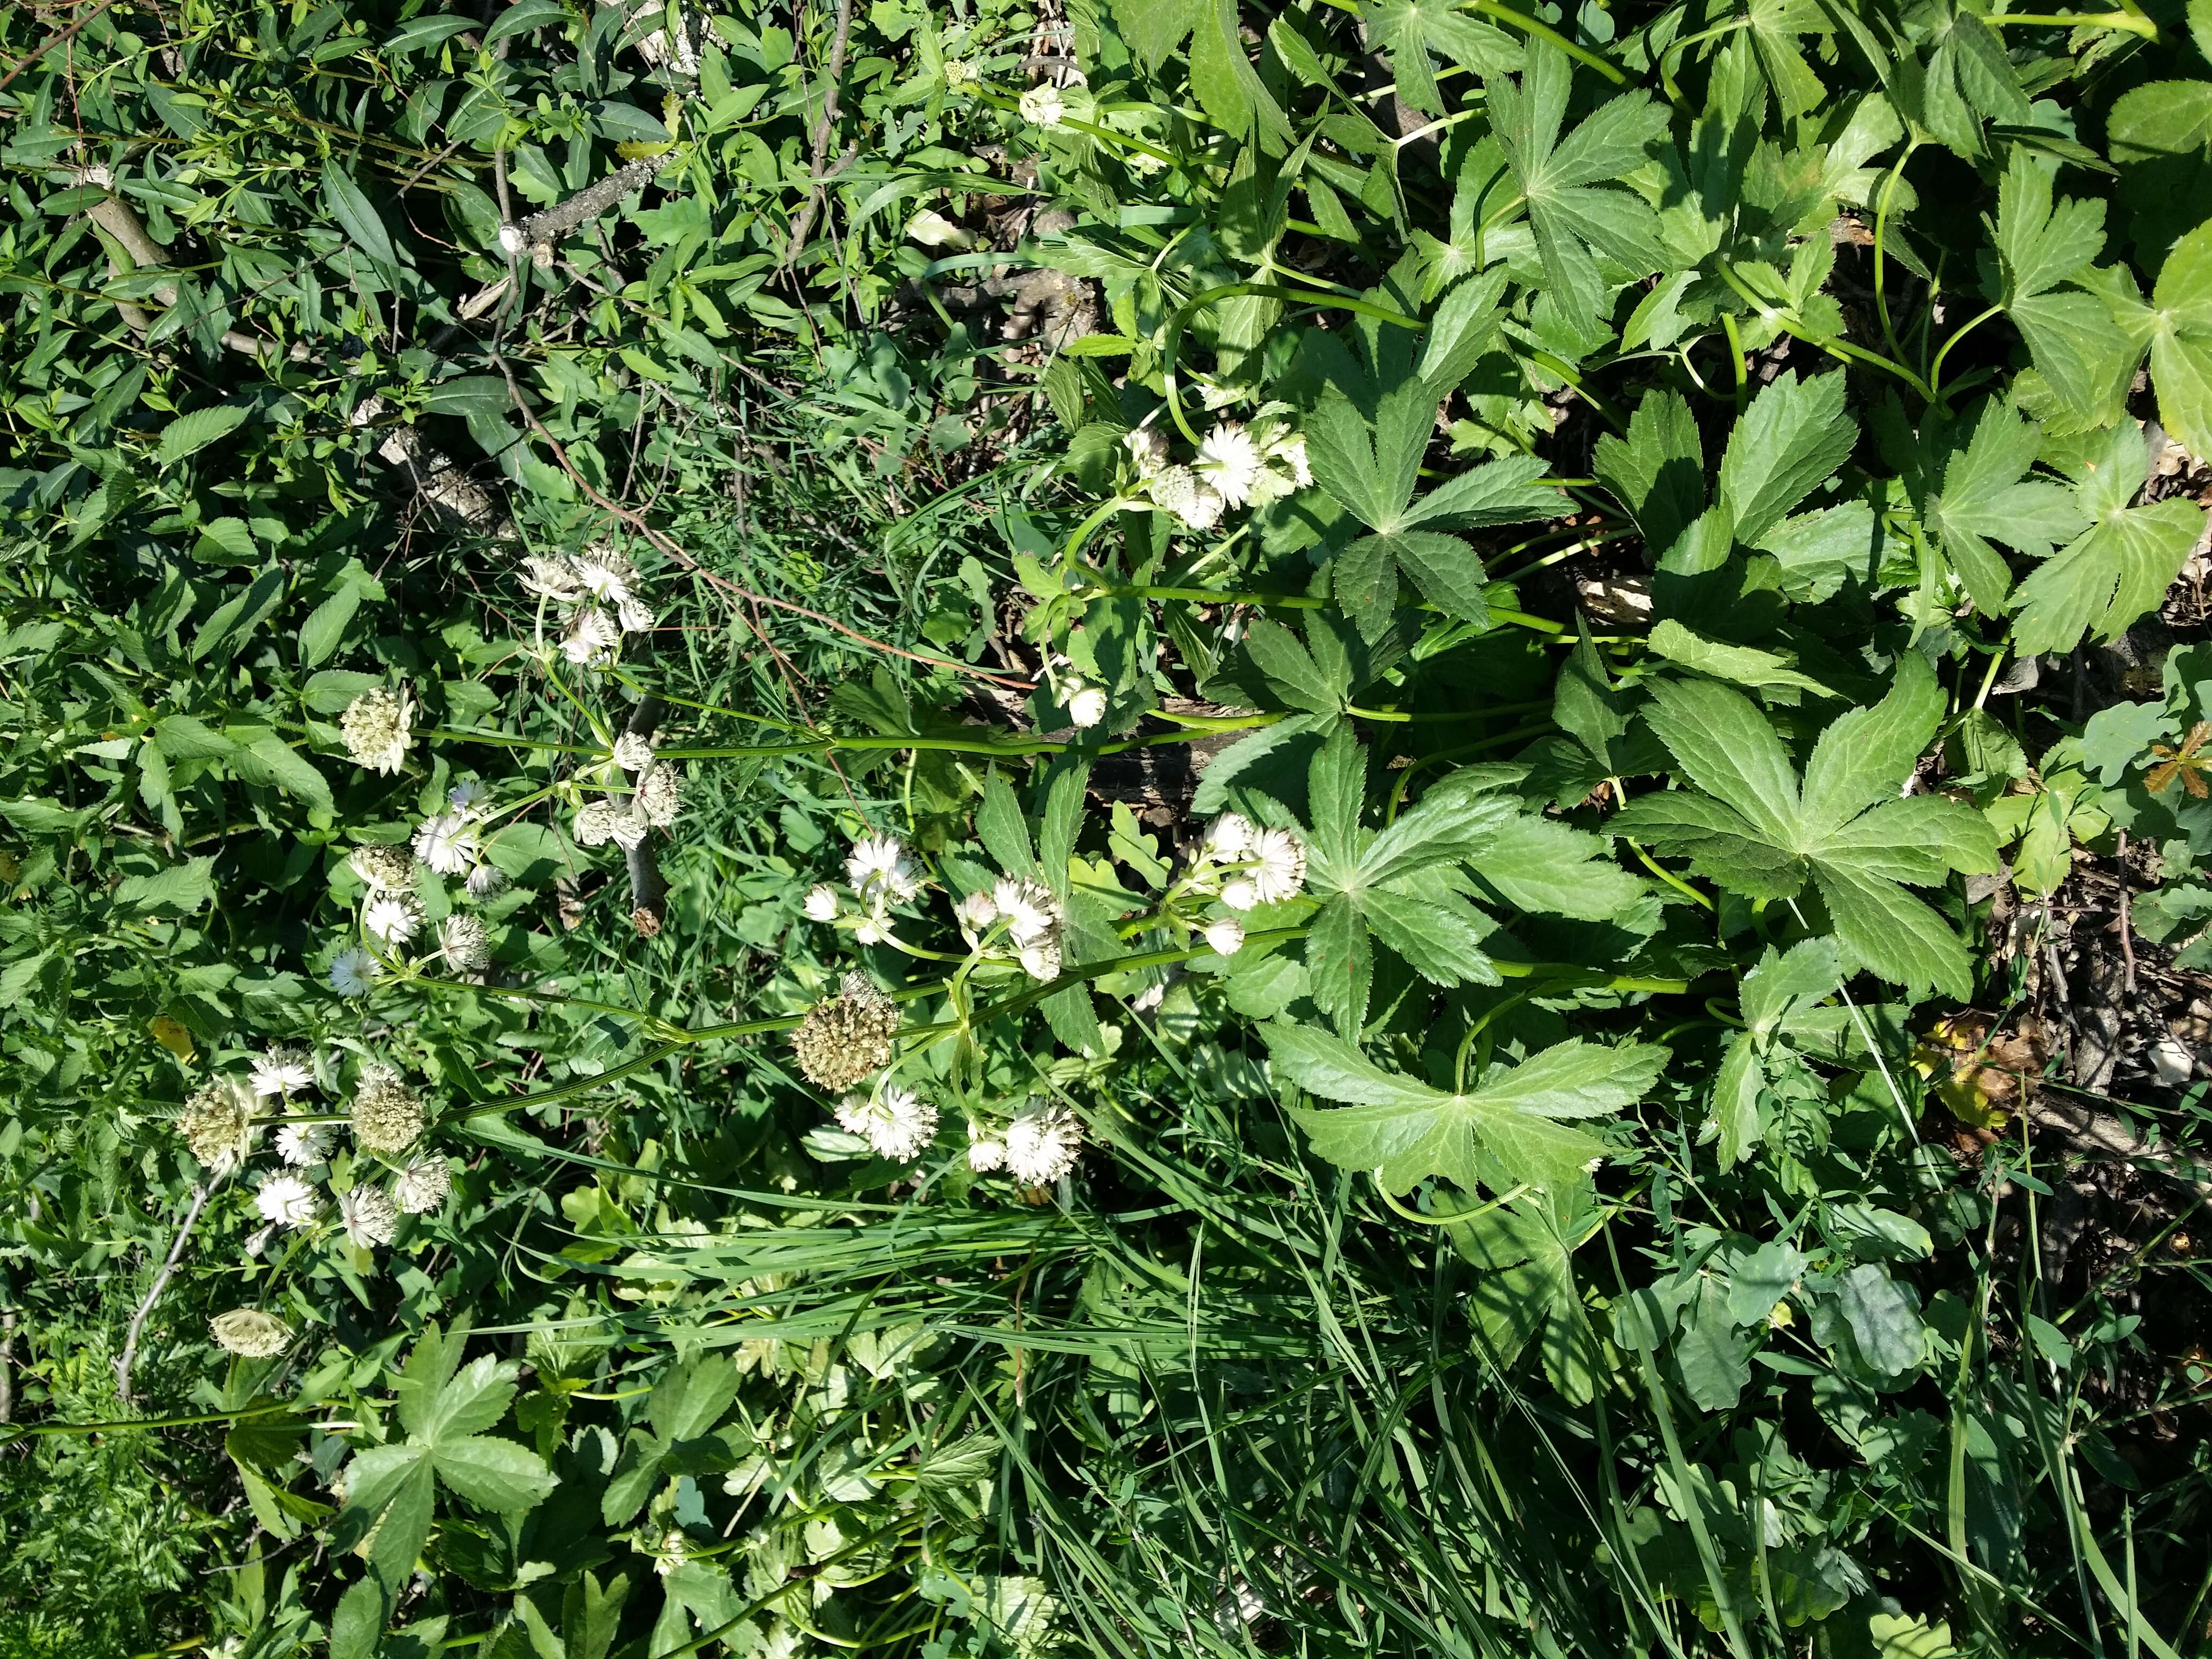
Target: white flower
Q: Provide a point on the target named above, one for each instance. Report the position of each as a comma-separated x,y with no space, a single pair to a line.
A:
1028,908
875,923
659,794
468,794
627,825
466,942
258,1241
1225,938
821,903
353,972
633,752
1150,998
1240,893
375,727
896,1121
553,579
986,1152
672,1554
975,912
1178,490
422,1186
302,1144
1042,106
1279,861
393,917
386,869
1041,1145
1041,960
605,573
595,824
591,637
1290,449
1148,449
1227,838
486,881
880,863
1230,461
1086,705
285,1200
447,843
370,1216
283,1071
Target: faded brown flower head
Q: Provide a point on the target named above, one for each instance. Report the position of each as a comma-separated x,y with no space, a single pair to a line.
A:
842,1041
658,793
217,1123
387,1114
250,1333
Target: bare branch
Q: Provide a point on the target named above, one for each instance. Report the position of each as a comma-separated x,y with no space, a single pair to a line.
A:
130,1356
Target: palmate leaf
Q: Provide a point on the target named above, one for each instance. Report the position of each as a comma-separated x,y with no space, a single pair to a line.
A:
2181,348
1408,30
1525,1284
2046,247
1756,829
1520,1116
2118,568
1576,210
1373,470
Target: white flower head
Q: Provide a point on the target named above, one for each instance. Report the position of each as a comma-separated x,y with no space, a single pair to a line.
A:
1178,490
878,863
466,942
975,912
591,639
1225,938
659,794
595,824
353,972
1278,866
673,1552
1028,908
394,918
422,1186
448,843
301,1144
627,825
468,795
1042,106
1290,450
1040,958
986,1152
551,578
283,1071
633,752
377,726
1240,893
486,881
1086,705
369,1216
635,616
875,924
821,903
1042,1144
285,1200
1148,449
1229,460
385,868
1227,838
605,573
895,1121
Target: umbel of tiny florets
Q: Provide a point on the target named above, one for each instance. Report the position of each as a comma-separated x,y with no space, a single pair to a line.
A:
385,868
250,1333
847,1037
895,1121
369,1216
1042,1144
217,1123
387,1114
422,1186
376,726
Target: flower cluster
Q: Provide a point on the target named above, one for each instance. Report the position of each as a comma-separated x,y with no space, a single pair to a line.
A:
880,874
1237,465
1085,702
894,1121
1016,920
250,1333
1037,1148
1244,864
597,595
451,842
376,726
845,1038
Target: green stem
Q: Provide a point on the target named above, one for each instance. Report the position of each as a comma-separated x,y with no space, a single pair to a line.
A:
1843,350
1668,876
1551,365
1018,749
1936,369
1527,25
1736,356
2134,24
1190,307
1880,235
1207,596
